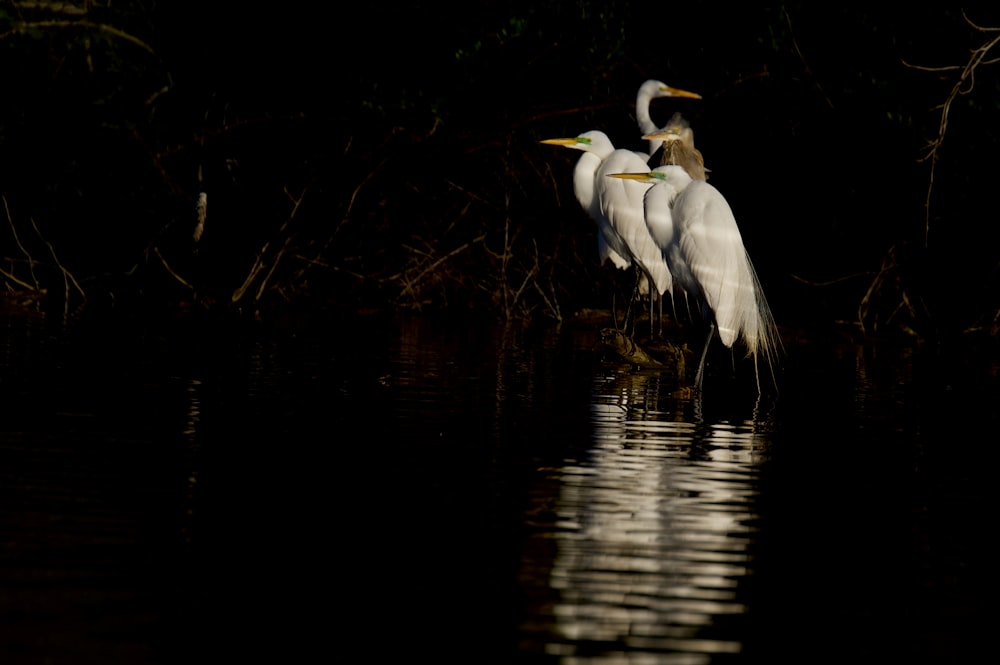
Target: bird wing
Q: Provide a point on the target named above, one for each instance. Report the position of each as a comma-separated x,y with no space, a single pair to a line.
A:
712,246
622,204
609,243
605,252
680,153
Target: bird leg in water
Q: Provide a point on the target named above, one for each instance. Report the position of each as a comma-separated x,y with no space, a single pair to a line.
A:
652,297
660,314
673,308
629,316
704,353
628,312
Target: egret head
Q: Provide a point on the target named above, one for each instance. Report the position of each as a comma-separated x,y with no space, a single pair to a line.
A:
593,141
671,174
652,89
678,129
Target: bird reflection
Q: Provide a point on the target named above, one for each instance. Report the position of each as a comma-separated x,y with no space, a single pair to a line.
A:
653,529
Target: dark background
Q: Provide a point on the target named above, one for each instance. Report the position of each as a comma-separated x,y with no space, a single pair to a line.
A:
389,157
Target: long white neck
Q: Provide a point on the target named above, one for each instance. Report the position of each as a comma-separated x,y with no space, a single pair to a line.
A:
642,101
583,182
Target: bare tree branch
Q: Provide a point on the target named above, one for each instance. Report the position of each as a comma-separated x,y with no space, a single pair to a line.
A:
22,27
964,85
173,273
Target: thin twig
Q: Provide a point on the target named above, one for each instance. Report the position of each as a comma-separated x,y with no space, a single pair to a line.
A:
354,197
17,239
455,252
802,59
67,275
274,267
22,27
53,7
170,270
831,282
924,68
10,277
258,264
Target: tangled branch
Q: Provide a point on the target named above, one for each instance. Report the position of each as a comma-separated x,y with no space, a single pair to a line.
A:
24,28
964,85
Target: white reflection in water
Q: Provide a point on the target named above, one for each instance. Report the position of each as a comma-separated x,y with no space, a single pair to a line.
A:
652,532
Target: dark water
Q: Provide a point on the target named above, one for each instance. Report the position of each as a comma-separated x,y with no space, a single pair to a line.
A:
379,491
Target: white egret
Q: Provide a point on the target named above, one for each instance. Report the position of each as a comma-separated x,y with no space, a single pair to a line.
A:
678,148
648,91
616,205
697,231
596,147
677,139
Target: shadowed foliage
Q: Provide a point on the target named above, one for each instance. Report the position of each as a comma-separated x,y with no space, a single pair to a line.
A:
401,167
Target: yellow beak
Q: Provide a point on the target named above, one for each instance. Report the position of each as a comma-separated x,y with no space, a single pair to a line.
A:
676,92
631,176
665,134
